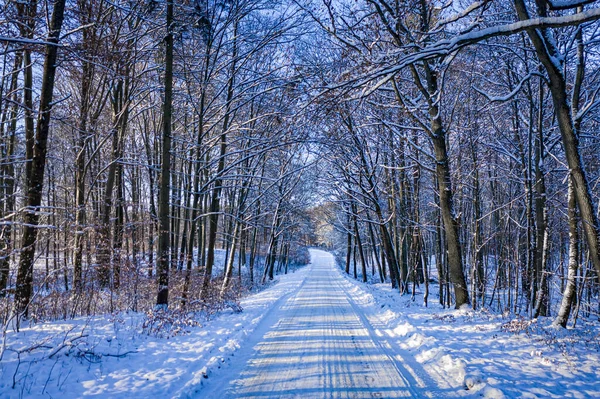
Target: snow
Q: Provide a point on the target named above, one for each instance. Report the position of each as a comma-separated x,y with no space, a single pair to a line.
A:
483,354
89,361
564,4
314,333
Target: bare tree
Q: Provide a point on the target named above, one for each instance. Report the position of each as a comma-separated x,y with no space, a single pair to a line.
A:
38,151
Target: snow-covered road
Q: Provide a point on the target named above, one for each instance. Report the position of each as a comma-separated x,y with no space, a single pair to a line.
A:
313,333
318,343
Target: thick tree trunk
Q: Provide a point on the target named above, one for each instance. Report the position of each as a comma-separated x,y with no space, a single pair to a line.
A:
453,247
242,249
570,290
162,265
286,257
35,180
548,54
429,87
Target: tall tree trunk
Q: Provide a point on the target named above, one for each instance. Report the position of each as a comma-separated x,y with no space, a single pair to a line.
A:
254,244
453,247
35,181
152,207
252,254
348,243
359,243
272,248
430,90
213,219
28,17
548,53
230,259
136,232
87,74
439,258
570,291
354,268
162,266
8,178
187,230
119,225
397,234
375,254
420,255
477,258
175,208
198,199
388,250
120,107
541,215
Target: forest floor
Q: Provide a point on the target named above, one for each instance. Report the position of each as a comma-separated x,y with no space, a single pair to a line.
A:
314,333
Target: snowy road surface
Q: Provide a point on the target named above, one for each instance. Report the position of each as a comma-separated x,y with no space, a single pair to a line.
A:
319,344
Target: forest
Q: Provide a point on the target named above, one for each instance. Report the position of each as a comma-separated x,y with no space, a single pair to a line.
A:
169,158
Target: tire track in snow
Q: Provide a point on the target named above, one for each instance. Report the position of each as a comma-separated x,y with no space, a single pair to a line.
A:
317,344
200,385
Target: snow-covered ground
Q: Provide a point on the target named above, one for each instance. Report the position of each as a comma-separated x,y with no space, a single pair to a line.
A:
481,354
110,357
314,334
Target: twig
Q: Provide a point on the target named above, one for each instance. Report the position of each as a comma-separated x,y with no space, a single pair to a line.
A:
49,375
118,355
65,344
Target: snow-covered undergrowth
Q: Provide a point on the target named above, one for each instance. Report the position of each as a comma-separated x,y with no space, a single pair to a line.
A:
112,356
481,354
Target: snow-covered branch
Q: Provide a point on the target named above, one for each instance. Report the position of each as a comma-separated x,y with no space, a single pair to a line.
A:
446,47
